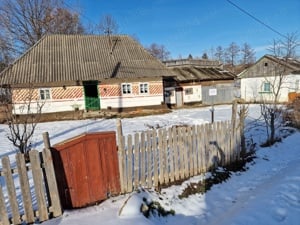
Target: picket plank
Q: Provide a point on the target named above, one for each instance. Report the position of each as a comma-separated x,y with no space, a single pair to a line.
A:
155,157
25,188
165,157
149,159
3,210
136,160
38,185
129,163
160,156
171,155
55,207
143,160
175,151
16,218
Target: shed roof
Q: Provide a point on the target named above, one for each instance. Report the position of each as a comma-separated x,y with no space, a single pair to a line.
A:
198,73
76,58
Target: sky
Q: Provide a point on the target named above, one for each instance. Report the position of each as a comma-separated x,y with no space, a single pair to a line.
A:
194,27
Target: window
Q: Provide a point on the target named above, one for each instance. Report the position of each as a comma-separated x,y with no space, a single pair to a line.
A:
267,87
144,88
188,91
45,94
126,88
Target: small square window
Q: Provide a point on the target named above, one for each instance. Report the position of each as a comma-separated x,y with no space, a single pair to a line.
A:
266,64
188,91
45,94
144,88
126,88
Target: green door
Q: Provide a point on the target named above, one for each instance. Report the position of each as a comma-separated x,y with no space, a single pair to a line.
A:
91,95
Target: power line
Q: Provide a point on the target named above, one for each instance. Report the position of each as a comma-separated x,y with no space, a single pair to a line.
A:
256,19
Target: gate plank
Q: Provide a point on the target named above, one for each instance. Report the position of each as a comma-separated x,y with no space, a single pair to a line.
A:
25,187
38,184
16,219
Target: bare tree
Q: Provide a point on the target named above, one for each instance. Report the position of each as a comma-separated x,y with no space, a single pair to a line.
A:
24,22
232,53
159,51
22,125
219,54
247,54
282,51
108,25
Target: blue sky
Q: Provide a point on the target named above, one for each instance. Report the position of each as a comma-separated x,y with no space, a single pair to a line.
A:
193,26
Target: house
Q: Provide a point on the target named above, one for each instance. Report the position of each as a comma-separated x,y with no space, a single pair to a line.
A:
199,81
260,81
86,72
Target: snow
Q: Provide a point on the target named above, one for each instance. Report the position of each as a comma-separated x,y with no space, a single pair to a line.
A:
268,192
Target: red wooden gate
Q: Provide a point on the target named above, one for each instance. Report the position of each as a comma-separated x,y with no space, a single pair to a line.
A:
86,168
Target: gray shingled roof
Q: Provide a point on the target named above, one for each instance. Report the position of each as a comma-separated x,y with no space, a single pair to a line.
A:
75,58
196,73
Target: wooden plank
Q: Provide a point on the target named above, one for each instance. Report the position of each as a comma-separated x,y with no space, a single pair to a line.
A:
165,157
176,153
136,160
195,152
149,160
190,151
25,188
155,155
206,147
199,148
129,163
3,211
38,184
143,160
171,154
122,164
52,184
186,151
160,156
181,137
16,219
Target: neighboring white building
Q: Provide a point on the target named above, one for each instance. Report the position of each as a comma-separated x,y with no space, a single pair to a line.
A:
260,81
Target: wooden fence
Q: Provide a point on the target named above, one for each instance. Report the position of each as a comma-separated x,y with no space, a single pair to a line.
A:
40,199
160,157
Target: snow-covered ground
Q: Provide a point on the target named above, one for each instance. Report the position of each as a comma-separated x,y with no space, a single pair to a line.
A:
267,193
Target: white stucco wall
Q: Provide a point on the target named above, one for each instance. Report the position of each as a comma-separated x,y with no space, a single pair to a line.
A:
51,106
130,101
195,96
252,88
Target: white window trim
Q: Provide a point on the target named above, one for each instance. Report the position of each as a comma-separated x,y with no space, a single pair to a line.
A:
148,90
45,89
130,88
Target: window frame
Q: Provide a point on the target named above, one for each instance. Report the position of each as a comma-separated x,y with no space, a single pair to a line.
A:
47,94
123,90
143,85
266,90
